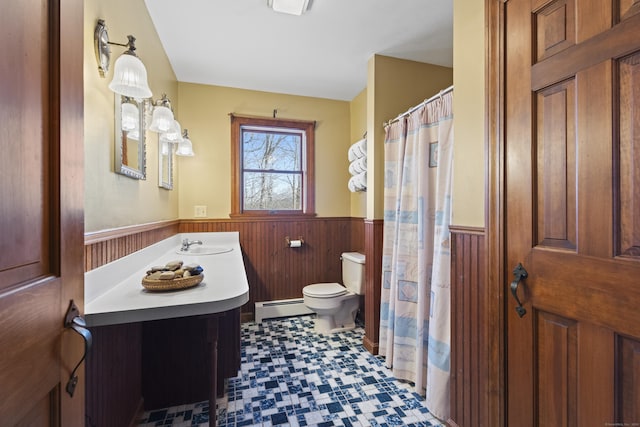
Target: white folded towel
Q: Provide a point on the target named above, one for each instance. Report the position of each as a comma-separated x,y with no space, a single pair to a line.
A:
358,182
358,166
358,150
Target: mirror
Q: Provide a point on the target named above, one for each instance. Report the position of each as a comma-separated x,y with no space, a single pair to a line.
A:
165,164
130,137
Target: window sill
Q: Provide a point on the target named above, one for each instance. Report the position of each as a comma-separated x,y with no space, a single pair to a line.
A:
271,216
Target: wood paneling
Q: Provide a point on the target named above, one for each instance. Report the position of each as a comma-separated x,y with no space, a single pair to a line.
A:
469,344
621,40
556,384
373,230
174,362
113,371
104,247
274,270
628,411
628,8
41,213
556,180
627,193
562,363
555,28
494,390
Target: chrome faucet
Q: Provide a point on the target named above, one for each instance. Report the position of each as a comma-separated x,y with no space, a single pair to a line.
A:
186,243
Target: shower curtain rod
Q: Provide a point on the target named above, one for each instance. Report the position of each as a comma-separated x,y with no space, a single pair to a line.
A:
412,109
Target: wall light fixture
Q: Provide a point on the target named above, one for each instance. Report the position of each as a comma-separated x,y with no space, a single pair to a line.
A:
174,134
162,119
129,74
185,148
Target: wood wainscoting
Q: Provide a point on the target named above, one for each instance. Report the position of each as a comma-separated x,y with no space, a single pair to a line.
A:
469,348
276,271
373,232
114,376
103,247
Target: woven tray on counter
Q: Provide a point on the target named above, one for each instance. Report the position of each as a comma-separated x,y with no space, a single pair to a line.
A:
171,285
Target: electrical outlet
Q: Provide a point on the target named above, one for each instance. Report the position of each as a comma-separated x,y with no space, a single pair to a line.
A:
199,211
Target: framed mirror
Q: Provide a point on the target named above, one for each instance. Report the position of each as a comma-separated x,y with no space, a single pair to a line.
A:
165,164
130,150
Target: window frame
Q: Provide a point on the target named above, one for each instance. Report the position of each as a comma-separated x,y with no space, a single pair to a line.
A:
307,165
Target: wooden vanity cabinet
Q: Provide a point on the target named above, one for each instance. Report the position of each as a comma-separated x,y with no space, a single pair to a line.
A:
186,360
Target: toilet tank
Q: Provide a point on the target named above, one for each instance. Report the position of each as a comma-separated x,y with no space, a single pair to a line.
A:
353,272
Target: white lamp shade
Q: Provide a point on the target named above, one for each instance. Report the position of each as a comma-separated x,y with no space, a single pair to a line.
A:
292,7
174,134
130,116
130,77
185,148
134,134
162,119
165,147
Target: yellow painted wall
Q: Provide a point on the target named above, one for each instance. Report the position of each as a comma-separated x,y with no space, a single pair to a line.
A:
113,200
468,113
206,178
393,86
358,110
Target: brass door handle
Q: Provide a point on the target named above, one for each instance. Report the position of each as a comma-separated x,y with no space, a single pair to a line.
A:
519,273
74,321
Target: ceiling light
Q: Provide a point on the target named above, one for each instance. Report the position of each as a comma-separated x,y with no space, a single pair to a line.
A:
292,7
129,74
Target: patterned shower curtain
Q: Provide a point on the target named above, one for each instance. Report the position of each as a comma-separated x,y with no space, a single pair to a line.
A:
415,302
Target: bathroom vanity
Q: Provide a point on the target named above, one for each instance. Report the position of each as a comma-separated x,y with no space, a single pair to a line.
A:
182,331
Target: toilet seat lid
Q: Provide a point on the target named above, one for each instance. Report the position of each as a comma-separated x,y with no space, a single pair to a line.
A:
325,290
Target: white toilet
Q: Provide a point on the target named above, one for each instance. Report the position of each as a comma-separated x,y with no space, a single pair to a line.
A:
336,305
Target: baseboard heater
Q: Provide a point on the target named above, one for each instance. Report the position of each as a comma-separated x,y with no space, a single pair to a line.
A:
280,308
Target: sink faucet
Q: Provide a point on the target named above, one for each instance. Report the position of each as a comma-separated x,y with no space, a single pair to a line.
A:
186,243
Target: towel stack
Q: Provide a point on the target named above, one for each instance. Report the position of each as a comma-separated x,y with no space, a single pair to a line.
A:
358,166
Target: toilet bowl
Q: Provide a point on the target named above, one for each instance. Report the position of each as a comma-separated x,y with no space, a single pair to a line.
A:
335,305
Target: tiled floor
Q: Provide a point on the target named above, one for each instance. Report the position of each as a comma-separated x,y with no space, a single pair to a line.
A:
291,376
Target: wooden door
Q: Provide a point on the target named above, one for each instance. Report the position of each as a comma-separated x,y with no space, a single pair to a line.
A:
572,179
41,210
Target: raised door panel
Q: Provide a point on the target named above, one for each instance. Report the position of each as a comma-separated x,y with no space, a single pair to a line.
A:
628,192
628,380
556,379
556,166
25,195
555,29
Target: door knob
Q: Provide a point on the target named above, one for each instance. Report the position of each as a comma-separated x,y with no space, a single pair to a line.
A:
519,273
74,321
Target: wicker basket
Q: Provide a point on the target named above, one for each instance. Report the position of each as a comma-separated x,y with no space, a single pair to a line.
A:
171,285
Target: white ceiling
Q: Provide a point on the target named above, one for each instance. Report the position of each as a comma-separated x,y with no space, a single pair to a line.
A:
323,53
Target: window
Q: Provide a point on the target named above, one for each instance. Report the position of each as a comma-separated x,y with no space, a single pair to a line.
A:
273,166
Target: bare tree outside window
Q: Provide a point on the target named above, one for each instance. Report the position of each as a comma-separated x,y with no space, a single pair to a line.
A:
272,169
274,166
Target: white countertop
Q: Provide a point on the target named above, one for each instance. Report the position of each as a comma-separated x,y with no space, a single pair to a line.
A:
114,292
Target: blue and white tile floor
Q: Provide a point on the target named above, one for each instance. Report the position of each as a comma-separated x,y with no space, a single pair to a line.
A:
291,376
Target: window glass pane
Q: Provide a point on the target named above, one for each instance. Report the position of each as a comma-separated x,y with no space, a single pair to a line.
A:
272,191
271,150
